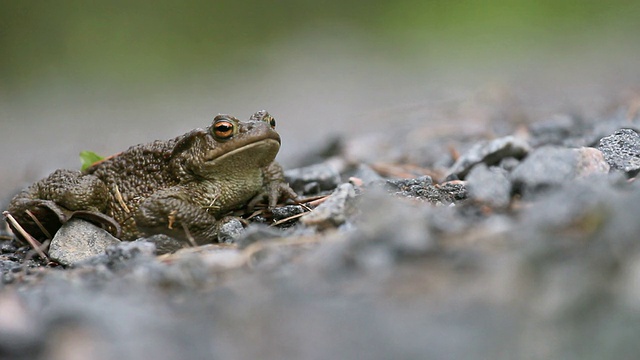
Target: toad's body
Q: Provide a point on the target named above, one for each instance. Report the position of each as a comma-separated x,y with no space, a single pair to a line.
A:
180,187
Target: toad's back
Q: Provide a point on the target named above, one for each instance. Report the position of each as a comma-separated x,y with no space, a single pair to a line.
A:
133,175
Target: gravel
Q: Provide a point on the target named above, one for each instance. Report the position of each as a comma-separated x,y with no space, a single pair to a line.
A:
529,250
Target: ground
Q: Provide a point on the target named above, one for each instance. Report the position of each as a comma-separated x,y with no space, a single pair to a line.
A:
471,230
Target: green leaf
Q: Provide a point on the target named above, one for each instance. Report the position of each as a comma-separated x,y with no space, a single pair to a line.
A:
89,158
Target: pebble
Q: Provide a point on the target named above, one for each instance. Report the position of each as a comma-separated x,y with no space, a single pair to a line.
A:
552,131
335,210
313,178
622,151
287,211
229,230
164,243
423,188
367,175
121,255
490,186
549,167
256,232
489,153
79,240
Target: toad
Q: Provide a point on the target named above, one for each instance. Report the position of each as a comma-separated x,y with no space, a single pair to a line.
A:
181,187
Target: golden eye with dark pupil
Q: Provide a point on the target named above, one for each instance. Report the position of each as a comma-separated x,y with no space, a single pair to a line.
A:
270,120
223,129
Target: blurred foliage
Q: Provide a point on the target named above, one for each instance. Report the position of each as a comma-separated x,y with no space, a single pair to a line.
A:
146,40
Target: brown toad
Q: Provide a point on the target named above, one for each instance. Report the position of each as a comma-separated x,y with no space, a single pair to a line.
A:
180,187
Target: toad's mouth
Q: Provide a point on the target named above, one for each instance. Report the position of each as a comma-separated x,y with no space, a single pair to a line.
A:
258,153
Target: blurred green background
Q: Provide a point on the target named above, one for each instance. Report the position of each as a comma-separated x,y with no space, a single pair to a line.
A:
147,43
78,75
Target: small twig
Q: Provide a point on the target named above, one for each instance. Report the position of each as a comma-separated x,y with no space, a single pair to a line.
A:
35,244
289,218
121,200
192,241
39,224
310,199
43,247
318,201
255,213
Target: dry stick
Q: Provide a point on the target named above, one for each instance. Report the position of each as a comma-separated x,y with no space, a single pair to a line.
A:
35,220
317,201
35,244
192,241
289,218
121,200
310,199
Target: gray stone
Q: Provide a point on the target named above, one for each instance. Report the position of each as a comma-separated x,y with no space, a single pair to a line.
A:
424,189
318,177
229,230
164,243
591,161
256,232
367,174
123,255
489,185
553,131
79,240
622,150
284,212
548,167
335,210
490,153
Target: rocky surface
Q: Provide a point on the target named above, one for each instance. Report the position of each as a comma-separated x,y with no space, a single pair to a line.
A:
451,242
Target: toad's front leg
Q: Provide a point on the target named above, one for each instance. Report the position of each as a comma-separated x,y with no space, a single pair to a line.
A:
173,213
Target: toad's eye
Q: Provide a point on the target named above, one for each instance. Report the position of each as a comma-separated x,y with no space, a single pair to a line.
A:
271,121
223,129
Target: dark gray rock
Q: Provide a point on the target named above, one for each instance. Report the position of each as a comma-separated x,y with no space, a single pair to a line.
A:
129,250
489,153
313,178
256,232
424,189
400,226
79,240
122,255
622,150
164,243
410,187
553,131
229,230
489,185
284,212
509,163
8,246
367,174
549,167
335,210
452,191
